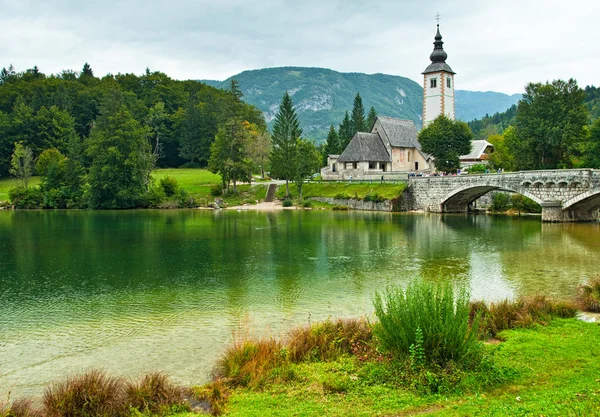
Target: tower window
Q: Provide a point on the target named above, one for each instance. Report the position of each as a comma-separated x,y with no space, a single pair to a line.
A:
433,83
448,83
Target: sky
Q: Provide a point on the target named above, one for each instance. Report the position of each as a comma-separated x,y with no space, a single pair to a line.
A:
492,45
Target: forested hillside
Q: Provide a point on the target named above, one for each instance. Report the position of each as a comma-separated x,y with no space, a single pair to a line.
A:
322,96
58,111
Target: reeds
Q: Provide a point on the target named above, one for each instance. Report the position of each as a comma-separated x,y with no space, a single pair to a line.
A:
153,394
22,407
522,312
95,393
588,297
438,312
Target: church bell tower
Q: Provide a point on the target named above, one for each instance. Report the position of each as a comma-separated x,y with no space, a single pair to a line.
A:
438,87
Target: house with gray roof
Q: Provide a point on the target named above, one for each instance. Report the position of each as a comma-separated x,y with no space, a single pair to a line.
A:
480,149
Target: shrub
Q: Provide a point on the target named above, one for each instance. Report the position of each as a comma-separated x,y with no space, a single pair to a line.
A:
20,408
337,207
500,202
523,312
169,186
154,394
91,394
442,316
328,340
26,198
307,204
155,197
287,203
216,190
588,297
478,168
251,363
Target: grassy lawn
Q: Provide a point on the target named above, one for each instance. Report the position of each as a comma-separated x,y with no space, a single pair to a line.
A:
555,372
345,190
7,183
195,181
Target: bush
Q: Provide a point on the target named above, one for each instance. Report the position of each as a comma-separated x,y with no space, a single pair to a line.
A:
191,165
329,340
588,297
478,169
154,394
215,394
26,198
287,203
91,394
523,312
307,204
500,202
374,197
169,186
435,310
216,190
337,207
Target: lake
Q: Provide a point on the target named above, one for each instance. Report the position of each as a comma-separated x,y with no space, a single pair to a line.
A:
138,291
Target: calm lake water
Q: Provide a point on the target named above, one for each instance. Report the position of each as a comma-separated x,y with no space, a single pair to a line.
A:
138,291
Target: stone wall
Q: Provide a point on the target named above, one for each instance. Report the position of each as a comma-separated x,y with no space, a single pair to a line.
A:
386,205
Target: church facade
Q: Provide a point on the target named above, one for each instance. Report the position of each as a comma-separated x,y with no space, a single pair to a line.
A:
391,149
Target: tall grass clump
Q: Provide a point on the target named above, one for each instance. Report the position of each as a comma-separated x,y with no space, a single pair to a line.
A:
91,394
19,408
522,312
432,320
588,297
154,394
251,363
328,340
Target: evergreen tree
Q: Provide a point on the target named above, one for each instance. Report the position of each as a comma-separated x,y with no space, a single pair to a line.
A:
446,140
6,147
332,145
55,128
358,116
371,118
234,88
592,159
198,131
345,132
117,148
86,71
286,132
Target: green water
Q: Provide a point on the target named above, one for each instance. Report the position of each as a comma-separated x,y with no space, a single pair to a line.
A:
138,291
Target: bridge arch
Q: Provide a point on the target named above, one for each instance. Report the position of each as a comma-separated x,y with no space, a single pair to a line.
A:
458,200
590,200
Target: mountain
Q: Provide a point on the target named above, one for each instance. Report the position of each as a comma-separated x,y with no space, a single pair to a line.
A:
322,96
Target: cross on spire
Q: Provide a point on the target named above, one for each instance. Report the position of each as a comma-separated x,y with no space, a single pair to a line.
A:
438,17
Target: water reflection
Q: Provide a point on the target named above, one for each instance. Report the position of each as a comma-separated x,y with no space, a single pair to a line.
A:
137,291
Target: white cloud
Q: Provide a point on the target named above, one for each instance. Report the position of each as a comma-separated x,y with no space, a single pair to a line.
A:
497,46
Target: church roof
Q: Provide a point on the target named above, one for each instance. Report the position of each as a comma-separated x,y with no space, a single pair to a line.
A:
401,133
478,148
438,67
365,147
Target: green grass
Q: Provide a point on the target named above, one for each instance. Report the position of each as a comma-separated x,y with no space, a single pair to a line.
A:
557,371
345,190
196,182
7,183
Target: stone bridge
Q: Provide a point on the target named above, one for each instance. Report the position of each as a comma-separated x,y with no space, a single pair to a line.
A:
565,195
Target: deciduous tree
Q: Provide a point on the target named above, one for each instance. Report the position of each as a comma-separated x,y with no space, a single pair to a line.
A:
307,162
446,140
21,163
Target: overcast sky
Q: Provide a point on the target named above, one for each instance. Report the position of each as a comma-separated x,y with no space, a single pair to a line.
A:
492,45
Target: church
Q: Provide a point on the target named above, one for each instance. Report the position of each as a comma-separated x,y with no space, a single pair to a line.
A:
392,148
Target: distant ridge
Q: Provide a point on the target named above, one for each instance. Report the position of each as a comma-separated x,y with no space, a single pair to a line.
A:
322,96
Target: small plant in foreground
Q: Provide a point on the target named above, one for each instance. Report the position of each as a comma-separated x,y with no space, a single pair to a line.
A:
440,313
154,394
287,203
588,297
91,394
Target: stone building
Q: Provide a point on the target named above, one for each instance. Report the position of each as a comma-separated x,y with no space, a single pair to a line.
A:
392,149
